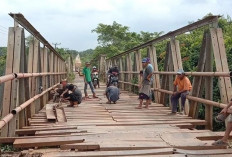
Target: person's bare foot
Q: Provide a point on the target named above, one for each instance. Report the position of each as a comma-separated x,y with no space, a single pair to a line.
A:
145,103
138,107
147,107
108,102
94,96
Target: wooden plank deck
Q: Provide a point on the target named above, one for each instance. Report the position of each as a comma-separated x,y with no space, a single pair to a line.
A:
119,130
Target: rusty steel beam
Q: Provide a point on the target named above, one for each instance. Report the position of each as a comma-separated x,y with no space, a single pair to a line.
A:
28,26
206,21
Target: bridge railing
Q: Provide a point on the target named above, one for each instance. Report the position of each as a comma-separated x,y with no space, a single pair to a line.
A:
31,72
212,50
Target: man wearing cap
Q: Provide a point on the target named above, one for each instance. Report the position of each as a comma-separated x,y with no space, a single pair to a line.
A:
145,90
88,80
184,86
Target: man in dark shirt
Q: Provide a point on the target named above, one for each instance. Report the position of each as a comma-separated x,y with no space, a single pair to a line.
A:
113,76
74,95
112,94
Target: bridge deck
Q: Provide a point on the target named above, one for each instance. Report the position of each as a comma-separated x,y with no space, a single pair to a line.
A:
119,130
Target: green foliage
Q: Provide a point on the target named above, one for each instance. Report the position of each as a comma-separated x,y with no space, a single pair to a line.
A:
114,39
63,52
3,51
71,76
86,56
7,148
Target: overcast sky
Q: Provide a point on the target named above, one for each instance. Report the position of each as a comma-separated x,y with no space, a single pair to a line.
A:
70,22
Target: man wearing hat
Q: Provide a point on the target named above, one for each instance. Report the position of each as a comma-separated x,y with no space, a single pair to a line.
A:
184,86
145,90
88,80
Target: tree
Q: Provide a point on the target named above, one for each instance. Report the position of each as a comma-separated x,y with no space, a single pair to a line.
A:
114,39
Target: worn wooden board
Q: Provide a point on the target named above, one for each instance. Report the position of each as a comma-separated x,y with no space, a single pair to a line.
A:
60,114
205,152
50,112
59,132
85,146
48,141
113,153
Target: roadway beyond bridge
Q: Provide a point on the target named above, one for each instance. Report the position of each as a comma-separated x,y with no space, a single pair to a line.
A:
95,128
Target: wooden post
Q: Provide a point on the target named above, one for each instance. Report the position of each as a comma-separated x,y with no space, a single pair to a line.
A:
41,79
129,68
156,82
13,95
209,84
127,74
43,59
121,75
51,68
197,81
31,108
170,79
221,63
22,82
46,70
8,85
164,80
137,65
35,81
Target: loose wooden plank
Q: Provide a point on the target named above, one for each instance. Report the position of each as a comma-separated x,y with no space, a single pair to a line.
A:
10,140
60,114
50,112
204,152
33,130
85,146
59,132
48,141
112,153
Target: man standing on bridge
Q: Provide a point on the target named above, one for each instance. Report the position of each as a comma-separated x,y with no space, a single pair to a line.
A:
184,86
88,80
145,89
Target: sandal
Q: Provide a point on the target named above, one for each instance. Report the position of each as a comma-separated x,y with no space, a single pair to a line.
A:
219,143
